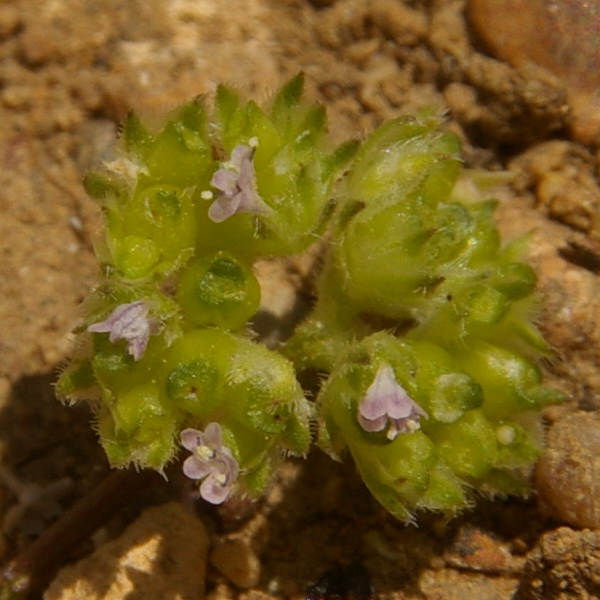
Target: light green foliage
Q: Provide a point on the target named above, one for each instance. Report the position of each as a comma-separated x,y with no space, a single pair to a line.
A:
218,290
410,259
194,277
418,302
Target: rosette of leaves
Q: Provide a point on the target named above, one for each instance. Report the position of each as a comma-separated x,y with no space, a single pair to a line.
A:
423,329
164,355
236,178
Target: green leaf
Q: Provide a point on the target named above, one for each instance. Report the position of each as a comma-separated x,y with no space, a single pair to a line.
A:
227,102
136,138
338,159
287,98
99,186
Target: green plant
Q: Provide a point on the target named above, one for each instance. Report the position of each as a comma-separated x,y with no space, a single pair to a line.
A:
421,330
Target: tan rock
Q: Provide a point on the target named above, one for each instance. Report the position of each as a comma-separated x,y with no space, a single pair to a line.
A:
564,565
474,549
568,473
563,176
560,36
162,555
236,560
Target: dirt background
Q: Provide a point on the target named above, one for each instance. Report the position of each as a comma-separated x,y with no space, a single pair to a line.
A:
70,70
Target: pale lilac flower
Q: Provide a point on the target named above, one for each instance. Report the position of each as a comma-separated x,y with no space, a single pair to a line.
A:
236,180
387,404
210,461
128,322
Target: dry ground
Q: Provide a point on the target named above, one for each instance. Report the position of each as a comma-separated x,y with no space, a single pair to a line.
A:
69,72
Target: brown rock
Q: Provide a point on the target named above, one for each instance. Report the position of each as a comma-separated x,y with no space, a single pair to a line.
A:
162,555
565,565
477,550
452,584
563,176
236,560
504,104
568,473
560,36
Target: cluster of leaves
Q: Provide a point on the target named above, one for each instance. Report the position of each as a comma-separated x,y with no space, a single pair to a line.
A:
421,330
419,296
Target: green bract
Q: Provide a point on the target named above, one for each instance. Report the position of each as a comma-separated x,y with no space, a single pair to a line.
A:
421,330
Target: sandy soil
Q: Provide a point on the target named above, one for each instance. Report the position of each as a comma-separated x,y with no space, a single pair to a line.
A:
69,72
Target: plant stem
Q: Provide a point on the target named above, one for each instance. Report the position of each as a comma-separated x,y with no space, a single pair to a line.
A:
37,564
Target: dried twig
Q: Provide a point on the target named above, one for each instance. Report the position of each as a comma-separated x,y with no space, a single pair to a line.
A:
33,569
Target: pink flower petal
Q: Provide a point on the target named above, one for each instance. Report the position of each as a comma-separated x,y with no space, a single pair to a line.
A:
195,468
371,425
191,439
128,322
217,468
240,155
386,402
237,182
225,180
213,436
224,207
212,491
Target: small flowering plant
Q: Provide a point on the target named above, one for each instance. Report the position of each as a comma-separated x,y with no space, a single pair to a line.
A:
420,331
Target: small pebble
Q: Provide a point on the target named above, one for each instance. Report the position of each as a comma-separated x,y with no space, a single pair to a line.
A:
568,473
236,560
477,550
